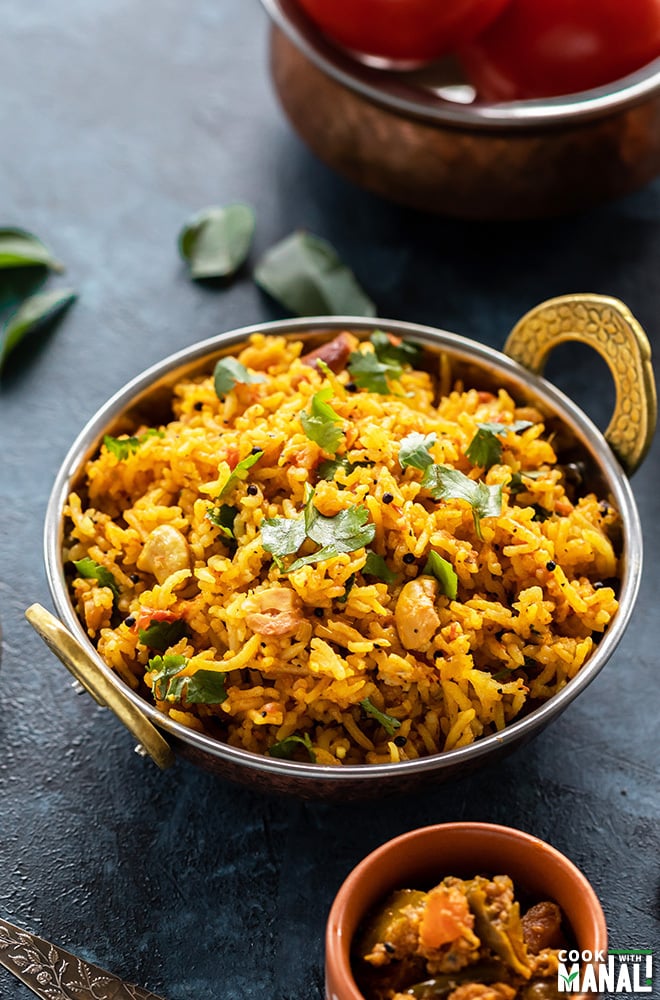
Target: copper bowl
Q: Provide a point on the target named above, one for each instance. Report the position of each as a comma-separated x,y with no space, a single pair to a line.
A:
421,858
417,138
603,323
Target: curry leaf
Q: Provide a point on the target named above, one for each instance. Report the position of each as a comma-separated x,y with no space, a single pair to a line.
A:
217,241
19,248
91,570
445,483
239,474
228,372
304,273
285,748
320,425
376,566
34,314
444,572
414,450
388,722
161,635
485,448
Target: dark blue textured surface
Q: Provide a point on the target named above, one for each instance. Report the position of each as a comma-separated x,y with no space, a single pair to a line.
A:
118,120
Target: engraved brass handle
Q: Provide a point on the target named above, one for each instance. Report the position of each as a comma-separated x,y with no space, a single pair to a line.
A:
608,326
76,659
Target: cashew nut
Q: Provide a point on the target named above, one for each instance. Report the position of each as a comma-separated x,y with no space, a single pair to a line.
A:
415,615
165,552
277,612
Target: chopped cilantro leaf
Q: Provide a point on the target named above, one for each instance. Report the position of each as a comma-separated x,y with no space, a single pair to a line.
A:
229,372
445,483
321,555
223,517
331,466
346,531
388,722
485,448
350,583
376,566
240,472
122,447
91,570
390,348
320,425
369,373
162,635
165,667
414,450
516,484
282,536
285,748
444,572
203,687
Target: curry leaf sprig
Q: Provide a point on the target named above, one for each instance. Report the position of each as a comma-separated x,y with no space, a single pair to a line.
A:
485,448
346,531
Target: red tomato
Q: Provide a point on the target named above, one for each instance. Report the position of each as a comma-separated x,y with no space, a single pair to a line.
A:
402,30
540,48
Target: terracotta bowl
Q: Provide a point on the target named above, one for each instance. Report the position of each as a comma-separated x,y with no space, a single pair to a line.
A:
420,138
607,460
421,858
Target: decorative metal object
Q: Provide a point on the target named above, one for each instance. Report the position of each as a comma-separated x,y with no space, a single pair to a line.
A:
54,974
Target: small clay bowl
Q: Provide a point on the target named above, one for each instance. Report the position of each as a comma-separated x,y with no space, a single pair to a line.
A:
421,858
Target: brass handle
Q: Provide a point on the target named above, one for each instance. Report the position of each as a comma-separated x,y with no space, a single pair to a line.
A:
608,326
78,661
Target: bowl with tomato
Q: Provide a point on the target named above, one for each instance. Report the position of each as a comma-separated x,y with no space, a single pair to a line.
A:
505,109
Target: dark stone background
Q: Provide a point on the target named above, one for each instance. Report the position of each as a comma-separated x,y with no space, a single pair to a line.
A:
117,121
